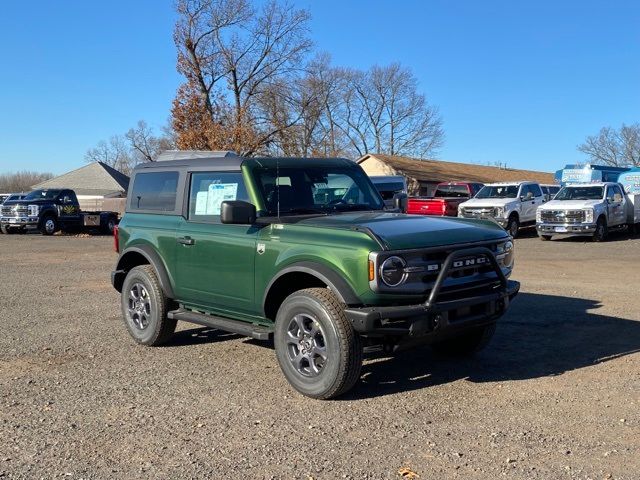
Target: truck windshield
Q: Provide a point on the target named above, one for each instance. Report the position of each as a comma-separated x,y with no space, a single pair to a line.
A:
388,189
451,191
316,190
498,191
42,195
580,193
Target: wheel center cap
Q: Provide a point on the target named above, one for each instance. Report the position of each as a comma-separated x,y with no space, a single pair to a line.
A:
305,345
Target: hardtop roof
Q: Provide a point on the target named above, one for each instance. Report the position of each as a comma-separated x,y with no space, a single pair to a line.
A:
235,162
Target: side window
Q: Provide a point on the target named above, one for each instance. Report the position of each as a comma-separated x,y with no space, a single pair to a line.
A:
525,192
610,193
209,189
617,194
536,190
154,191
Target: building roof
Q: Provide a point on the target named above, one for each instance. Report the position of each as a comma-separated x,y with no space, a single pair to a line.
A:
440,171
96,178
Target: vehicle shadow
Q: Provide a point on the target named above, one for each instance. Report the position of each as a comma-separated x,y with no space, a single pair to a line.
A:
199,335
542,335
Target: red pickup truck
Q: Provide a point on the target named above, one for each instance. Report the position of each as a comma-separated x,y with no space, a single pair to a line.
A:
445,200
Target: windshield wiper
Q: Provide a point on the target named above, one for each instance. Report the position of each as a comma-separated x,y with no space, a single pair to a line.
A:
352,206
304,210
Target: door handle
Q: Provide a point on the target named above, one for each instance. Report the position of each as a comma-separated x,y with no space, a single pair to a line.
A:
186,240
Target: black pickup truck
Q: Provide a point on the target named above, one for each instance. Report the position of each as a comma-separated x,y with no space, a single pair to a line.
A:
50,210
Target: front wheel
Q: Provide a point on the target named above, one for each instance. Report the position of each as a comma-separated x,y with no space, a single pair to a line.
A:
318,351
145,307
600,235
466,344
49,225
545,238
513,226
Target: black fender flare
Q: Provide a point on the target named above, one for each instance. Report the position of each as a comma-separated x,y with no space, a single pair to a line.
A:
154,260
330,277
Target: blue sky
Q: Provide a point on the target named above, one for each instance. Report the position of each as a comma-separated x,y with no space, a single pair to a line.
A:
521,83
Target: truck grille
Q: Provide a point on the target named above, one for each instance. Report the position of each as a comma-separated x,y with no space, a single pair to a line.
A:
477,212
14,210
562,216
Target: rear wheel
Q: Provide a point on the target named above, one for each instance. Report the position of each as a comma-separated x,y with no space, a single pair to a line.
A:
109,225
600,235
318,351
513,226
145,307
467,344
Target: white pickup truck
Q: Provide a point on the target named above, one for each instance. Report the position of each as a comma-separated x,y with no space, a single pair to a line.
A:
512,205
587,209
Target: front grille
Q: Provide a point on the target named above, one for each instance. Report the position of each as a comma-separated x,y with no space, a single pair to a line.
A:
14,210
562,216
477,212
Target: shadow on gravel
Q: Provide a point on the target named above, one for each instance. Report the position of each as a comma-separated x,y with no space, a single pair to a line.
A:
195,336
542,335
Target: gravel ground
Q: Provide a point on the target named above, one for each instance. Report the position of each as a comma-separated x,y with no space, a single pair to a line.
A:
555,395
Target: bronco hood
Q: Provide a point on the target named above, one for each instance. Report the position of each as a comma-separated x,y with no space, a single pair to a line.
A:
398,231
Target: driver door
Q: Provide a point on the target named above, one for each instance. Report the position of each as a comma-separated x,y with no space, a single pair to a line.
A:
615,205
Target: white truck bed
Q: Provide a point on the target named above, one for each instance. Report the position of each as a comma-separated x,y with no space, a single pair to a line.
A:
633,212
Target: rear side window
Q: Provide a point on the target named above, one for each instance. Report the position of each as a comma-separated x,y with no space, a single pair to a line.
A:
209,189
155,191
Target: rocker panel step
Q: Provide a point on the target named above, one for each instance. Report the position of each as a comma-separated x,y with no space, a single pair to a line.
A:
258,332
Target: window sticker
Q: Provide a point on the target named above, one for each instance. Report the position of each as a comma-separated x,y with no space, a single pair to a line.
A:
209,201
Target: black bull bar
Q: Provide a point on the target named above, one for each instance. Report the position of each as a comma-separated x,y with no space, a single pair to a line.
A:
433,316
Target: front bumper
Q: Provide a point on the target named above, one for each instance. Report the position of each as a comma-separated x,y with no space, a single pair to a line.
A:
566,228
437,318
500,221
21,221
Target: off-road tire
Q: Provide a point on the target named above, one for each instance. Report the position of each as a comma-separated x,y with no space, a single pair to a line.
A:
342,345
545,238
6,230
601,233
466,344
48,225
159,328
513,226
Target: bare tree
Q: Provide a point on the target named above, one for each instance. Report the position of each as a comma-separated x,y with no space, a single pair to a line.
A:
383,112
124,152
614,147
231,53
21,181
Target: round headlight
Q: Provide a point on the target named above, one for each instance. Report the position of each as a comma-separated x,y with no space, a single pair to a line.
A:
392,271
508,254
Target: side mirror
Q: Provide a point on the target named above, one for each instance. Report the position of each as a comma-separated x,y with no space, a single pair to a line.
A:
522,198
400,201
237,212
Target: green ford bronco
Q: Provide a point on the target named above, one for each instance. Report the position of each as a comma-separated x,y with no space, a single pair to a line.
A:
301,251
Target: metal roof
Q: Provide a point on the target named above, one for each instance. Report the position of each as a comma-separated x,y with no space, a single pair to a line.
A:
234,162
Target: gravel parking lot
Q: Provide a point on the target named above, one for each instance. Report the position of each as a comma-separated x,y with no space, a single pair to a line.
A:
556,394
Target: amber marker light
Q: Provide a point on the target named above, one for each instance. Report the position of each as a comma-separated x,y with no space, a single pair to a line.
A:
372,270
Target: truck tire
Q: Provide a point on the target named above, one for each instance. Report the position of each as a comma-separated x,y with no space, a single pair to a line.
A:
109,225
601,233
318,351
545,238
145,307
48,225
513,225
6,230
466,344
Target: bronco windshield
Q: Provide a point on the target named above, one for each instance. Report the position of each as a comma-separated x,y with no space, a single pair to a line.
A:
42,195
580,193
498,191
316,190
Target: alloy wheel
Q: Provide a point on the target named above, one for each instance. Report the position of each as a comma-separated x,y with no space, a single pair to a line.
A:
306,347
139,306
